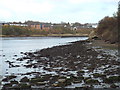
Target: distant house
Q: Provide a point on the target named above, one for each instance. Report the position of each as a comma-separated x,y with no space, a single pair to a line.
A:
77,26
47,26
35,26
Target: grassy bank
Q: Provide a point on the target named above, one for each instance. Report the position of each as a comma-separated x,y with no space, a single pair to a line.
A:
104,45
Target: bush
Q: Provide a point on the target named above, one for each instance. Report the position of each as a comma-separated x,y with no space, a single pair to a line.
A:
108,29
15,30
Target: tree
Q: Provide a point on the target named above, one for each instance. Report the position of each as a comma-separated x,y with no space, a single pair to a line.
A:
118,19
118,12
108,29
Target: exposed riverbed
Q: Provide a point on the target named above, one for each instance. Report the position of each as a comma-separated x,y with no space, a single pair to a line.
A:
74,65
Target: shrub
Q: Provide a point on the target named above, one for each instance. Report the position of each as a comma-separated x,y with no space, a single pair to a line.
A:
108,29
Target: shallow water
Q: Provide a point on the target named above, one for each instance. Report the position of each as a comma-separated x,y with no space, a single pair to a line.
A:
12,47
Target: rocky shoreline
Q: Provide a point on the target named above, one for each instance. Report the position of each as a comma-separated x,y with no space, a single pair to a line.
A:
76,65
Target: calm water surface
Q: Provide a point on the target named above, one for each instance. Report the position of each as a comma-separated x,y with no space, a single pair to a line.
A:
11,48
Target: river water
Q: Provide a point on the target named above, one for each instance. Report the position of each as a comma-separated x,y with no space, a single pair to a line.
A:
12,47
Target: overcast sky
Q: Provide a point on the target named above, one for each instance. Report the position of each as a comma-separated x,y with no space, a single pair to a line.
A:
83,11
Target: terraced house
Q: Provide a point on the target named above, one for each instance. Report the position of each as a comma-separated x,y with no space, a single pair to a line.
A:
38,25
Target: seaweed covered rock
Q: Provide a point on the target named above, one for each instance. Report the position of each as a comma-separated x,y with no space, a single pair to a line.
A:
96,75
24,86
14,82
112,79
91,81
7,78
25,79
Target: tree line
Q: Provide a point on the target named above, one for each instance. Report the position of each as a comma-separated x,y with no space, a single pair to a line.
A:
26,31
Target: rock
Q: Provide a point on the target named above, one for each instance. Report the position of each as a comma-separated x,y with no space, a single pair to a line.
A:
21,53
47,77
41,83
96,38
55,85
96,75
38,79
16,87
92,34
3,55
79,73
61,80
91,81
24,86
17,66
61,84
8,78
25,79
35,66
113,86
26,57
78,81
48,69
53,79
19,59
28,66
112,79
79,88
14,82
15,55
7,85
